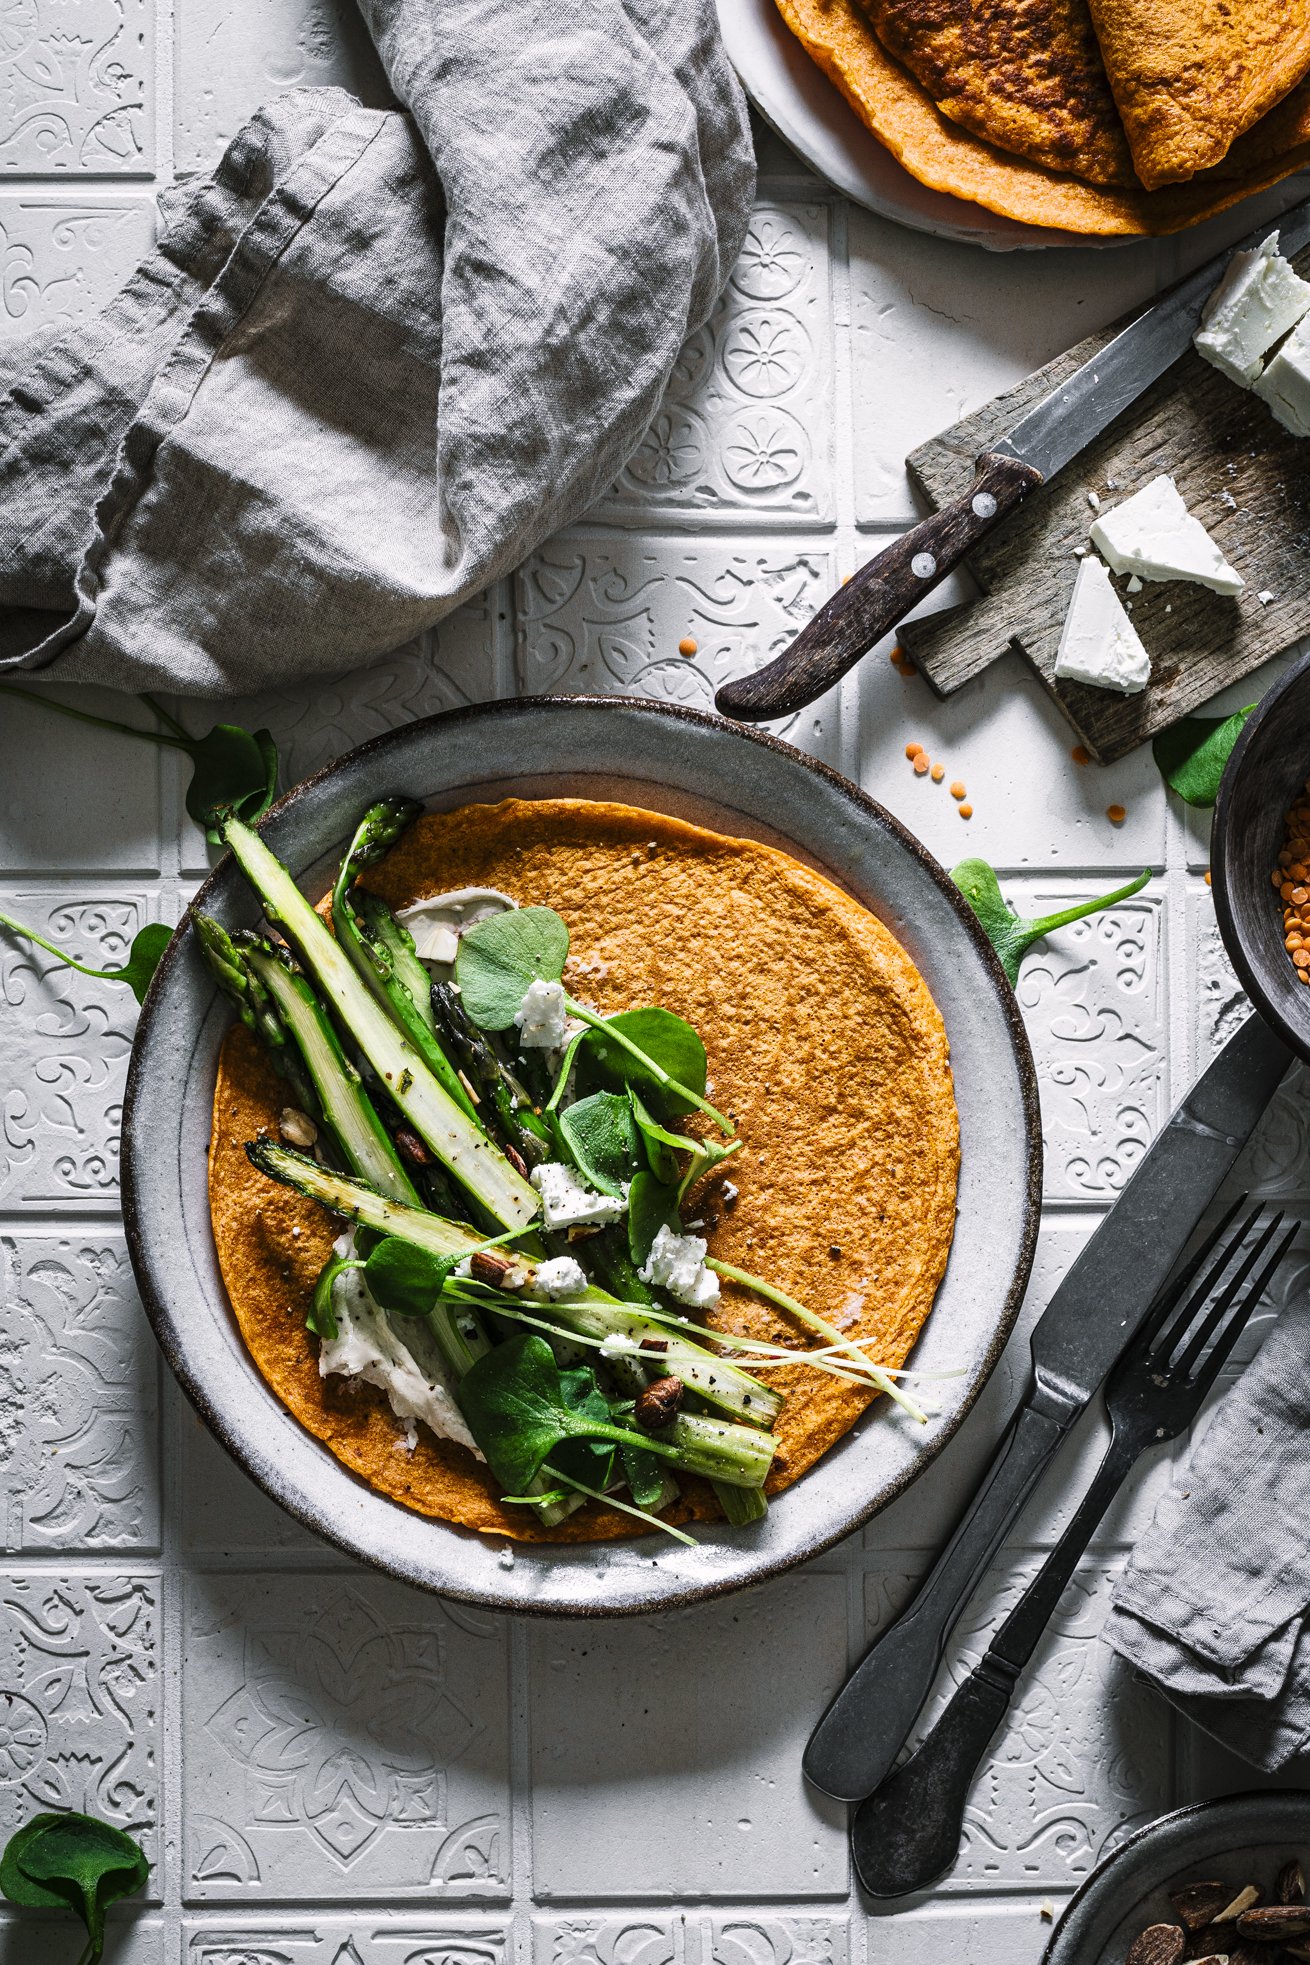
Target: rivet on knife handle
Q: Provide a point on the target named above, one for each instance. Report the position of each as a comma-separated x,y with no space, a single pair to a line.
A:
882,593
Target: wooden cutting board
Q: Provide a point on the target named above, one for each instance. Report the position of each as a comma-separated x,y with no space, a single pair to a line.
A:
1242,475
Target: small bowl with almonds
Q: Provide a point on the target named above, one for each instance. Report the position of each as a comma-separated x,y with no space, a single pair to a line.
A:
1219,1883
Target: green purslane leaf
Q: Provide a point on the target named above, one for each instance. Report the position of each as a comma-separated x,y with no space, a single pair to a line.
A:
665,1040
585,1460
500,958
143,958
1008,934
232,770
652,1205
406,1279
321,1316
75,1862
1192,753
517,1411
602,1140
662,1146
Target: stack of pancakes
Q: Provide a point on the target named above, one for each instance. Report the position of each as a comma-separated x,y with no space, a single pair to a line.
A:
1096,116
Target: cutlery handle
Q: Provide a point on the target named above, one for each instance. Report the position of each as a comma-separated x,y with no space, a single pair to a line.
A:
879,595
855,1743
907,1834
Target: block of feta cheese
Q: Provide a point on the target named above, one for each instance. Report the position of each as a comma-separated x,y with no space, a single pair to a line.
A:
1255,304
1099,644
1154,535
1285,384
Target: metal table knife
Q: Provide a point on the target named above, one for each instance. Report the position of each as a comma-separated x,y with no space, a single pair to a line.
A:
1050,436
1077,1339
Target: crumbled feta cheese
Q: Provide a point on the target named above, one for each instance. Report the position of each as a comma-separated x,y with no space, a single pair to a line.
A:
1264,598
1285,384
617,1344
677,1263
1134,585
566,1202
541,1017
559,1278
1255,304
1227,500
506,1557
730,1192
409,1369
1154,535
436,924
1099,645
1094,501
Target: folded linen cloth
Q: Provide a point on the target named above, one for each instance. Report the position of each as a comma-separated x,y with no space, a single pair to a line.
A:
378,356
1214,1605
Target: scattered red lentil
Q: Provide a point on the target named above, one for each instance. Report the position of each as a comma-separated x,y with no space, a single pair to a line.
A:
895,658
1207,876
688,645
1291,878
912,751
965,811
921,765
938,773
1116,814
1080,754
957,789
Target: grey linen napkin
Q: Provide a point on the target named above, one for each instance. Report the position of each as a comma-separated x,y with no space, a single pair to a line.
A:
379,355
1215,1604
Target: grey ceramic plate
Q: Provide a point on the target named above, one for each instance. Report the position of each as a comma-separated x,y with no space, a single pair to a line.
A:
696,767
1244,1838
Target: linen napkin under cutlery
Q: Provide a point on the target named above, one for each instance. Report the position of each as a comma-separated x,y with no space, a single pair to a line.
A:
1214,1605
379,355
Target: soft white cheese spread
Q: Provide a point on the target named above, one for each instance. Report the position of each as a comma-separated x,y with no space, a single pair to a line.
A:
1285,384
676,1263
1255,304
542,1017
559,1278
1154,535
617,1344
436,924
409,1369
1099,644
566,1202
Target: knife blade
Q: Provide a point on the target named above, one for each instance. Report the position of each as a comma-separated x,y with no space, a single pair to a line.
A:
1092,1315
1042,443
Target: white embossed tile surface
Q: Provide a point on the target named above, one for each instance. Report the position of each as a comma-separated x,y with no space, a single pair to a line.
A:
326,1769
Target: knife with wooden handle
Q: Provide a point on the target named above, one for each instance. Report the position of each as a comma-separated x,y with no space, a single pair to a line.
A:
887,587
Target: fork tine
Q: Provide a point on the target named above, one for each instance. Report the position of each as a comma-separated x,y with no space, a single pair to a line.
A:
1237,1323
1208,1284
1197,1339
1173,1286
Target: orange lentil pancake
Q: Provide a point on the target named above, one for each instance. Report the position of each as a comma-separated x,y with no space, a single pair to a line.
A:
824,1046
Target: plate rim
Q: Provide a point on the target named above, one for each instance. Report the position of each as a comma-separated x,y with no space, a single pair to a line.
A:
135,1182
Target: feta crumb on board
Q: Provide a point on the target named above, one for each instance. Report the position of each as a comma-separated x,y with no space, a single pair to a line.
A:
676,1263
566,1202
1285,384
1256,303
1099,645
1154,535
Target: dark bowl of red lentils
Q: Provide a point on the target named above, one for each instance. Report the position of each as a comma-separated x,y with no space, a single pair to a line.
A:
1260,857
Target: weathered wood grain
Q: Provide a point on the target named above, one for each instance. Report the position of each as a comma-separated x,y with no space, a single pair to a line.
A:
1241,473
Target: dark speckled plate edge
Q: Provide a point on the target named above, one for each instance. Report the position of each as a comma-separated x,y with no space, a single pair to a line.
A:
457,1564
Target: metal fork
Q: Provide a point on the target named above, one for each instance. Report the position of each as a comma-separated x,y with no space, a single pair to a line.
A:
906,1835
